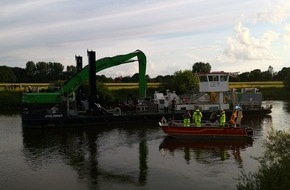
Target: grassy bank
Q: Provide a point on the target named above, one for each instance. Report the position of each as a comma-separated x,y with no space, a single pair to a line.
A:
266,84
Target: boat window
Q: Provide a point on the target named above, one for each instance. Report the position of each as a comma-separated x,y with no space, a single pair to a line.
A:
202,78
213,78
224,78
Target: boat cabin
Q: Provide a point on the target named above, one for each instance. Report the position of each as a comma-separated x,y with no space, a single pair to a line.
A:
214,82
214,85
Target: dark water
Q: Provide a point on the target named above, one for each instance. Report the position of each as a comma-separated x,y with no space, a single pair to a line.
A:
128,157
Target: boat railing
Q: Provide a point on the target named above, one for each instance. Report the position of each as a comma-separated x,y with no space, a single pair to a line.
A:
117,110
163,120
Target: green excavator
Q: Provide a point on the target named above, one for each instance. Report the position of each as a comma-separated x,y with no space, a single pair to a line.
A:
69,87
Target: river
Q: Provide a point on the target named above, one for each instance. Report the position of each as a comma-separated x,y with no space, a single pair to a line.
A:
127,157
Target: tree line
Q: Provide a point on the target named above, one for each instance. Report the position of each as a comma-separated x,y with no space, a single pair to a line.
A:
40,72
47,72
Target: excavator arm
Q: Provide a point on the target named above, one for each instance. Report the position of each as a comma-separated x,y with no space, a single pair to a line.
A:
79,78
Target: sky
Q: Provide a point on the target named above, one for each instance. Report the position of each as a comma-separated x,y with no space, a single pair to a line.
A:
233,36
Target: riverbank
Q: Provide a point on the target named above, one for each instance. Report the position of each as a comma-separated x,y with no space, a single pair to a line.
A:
10,100
275,93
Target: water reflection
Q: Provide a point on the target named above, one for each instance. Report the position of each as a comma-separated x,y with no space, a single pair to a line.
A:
109,157
205,151
286,106
82,149
254,121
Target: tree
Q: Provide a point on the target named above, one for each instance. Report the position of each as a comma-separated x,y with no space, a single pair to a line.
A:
41,73
286,81
126,79
55,71
266,76
182,82
20,74
30,68
103,78
244,77
70,71
200,67
255,75
281,75
162,79
135,77
275,165
6,74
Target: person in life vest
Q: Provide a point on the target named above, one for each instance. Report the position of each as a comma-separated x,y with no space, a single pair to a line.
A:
236,117
239,117
186,119
197,115
222,118
233,118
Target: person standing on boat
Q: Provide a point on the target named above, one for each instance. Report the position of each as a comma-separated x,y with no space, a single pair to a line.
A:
166,103
239,117
173,102
233,118
197,115
186,118
222,118
236,117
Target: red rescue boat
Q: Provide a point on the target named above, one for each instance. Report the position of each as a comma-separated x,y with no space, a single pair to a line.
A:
176,128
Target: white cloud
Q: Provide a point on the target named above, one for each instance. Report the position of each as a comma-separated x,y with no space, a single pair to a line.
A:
286,35
245,47
276,12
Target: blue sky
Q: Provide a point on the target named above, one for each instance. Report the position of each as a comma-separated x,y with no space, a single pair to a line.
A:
233,36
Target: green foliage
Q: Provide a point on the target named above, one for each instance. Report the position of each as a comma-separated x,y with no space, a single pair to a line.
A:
10,99
200,67
281,75
20,75
274,93
55,71
286,81
103,78
106,98
70,71
46,72
266,76
257,75
182,82
30,68
273,172
6,74
244,77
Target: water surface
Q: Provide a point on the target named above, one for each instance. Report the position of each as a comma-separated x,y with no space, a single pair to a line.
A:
127,157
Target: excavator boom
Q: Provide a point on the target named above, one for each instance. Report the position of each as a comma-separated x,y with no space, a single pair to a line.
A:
79,78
